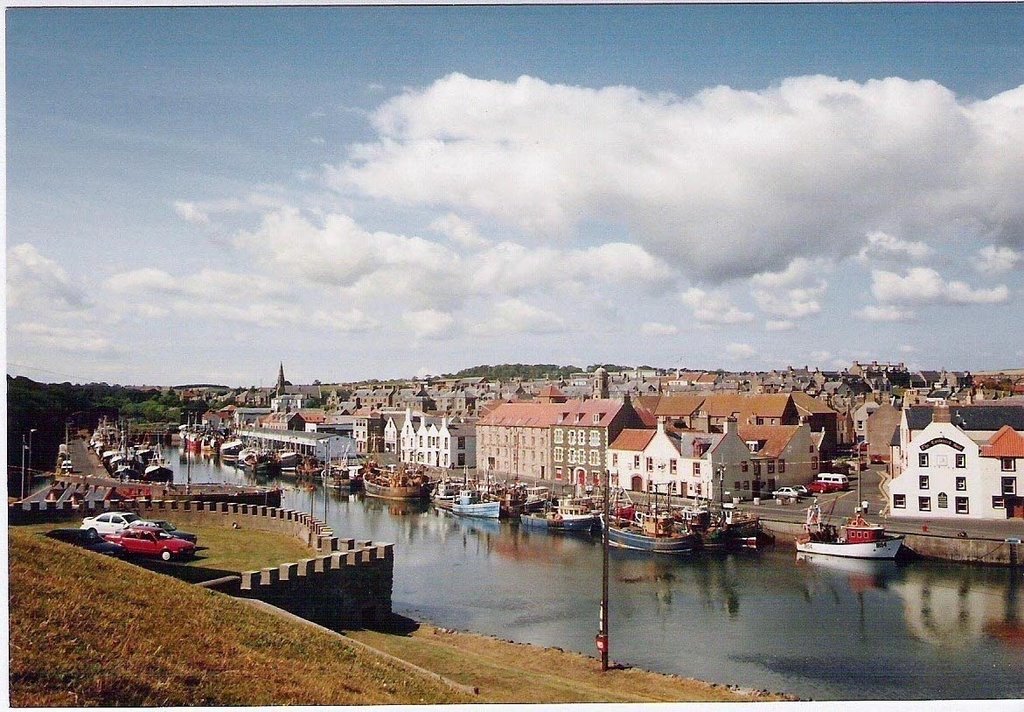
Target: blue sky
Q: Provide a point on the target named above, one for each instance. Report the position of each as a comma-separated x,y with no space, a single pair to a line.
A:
195,194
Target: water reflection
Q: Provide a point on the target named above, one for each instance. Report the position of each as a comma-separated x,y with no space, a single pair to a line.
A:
819,629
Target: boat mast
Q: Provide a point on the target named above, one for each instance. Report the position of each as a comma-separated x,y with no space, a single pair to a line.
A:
602,633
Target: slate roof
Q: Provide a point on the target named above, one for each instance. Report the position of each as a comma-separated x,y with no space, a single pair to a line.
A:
970,417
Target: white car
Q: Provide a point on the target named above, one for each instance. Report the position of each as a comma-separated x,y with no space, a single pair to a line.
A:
787,493
110,522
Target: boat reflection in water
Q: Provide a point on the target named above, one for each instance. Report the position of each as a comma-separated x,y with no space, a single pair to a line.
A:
862,574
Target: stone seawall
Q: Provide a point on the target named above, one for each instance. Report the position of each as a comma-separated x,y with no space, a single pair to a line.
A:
991,551
347,584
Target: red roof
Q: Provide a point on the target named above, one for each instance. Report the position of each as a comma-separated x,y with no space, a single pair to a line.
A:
774,437
1007,442
633,439
543,415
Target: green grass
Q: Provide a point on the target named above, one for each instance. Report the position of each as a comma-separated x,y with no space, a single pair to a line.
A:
87,630
224,550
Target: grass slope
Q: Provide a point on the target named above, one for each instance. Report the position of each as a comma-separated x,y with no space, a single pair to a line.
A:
86,630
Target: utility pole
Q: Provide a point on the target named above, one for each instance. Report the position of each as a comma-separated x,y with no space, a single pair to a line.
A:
602,633
24,447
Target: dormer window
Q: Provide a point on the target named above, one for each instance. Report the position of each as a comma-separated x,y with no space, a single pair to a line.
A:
597,418
753,445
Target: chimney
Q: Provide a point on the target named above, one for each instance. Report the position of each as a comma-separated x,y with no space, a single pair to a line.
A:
941,414
661,424
730,425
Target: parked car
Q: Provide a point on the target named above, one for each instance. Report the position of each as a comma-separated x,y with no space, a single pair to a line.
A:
802,489
786,493
149,542
87,539
165,526
110,522
830,482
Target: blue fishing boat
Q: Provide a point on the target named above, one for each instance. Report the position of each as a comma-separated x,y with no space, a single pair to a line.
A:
469,503
569,514
655,532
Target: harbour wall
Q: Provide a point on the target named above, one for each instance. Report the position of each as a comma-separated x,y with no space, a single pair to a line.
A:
347,584
974,550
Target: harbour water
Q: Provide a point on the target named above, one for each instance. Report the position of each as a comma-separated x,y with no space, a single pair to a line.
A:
822,630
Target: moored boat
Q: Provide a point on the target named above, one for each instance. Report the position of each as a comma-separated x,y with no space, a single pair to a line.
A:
470,503
395,483
856,539
569,514
229,450
651,531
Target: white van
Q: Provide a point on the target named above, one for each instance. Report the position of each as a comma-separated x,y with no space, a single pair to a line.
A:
830,482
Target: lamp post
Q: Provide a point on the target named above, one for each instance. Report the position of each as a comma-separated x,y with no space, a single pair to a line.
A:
24,447
721,487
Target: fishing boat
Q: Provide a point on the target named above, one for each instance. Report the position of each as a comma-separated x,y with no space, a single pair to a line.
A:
727,529
229,450
288,459
856,538
569,514
472,503
444,495
652,531
395,483
158,470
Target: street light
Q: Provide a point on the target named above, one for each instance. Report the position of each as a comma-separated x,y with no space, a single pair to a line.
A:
24,447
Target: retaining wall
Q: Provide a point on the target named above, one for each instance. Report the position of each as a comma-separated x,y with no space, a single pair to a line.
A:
929,546
347,584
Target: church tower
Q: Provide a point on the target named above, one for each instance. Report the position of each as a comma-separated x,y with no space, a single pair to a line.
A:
600,383
280,379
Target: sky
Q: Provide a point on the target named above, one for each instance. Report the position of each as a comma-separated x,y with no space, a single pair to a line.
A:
200,194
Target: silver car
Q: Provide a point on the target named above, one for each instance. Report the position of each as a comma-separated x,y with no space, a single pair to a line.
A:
110,522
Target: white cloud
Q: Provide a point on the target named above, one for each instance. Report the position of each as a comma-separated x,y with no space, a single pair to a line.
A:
793,293
460,231
39,282
996,260
738,351
814,163
429,323
880,245
336,251
513,316
884,313
654,328
713,308
779,325
347,321
68,340
202,212
922,285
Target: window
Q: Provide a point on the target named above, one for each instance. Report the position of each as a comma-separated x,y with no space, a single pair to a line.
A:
943,500
650,464
572,455
572,437
696,469
1008,464
737,483
558,454
559,436
961,484
757,468
581,437
558,473
998,503
595,457
922,482
672,466
922,459
899,501
615,459
771,467
962,506
746,484
595,438
814,463
924,504
1009,485
743,466
636,461
961,460
782,466
597,418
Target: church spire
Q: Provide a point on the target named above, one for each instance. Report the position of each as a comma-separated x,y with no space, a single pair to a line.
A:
280,379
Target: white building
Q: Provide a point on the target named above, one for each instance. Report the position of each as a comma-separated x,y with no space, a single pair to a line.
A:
949,474
434,442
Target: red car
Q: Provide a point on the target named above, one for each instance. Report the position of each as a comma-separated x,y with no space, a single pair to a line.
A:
149,542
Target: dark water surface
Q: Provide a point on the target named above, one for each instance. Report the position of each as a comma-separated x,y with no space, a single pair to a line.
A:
825,630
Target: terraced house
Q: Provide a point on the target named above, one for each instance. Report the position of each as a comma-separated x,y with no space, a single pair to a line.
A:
552,437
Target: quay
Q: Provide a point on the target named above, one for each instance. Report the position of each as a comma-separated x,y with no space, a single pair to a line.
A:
89,482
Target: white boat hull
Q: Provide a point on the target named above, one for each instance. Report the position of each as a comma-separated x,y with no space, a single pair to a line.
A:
884,549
